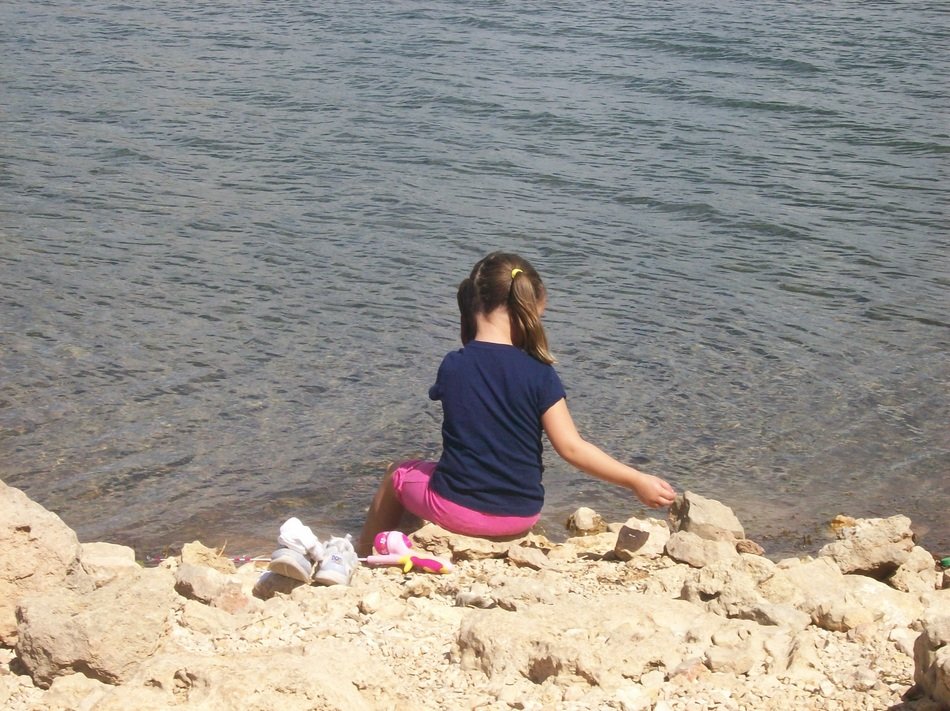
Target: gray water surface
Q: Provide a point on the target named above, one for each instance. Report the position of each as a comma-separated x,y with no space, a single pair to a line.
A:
231,235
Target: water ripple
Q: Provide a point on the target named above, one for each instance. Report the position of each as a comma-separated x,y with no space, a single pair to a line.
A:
232,236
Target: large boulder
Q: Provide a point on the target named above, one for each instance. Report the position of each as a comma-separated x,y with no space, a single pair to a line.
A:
836,601
604,645
104,634
37,552
872,546
705,518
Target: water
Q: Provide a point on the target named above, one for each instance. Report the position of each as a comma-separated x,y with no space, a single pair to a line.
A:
231,235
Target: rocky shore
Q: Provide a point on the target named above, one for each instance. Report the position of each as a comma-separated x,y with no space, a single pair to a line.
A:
642,614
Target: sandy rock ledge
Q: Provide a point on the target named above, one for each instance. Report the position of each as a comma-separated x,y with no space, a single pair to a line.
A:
639,615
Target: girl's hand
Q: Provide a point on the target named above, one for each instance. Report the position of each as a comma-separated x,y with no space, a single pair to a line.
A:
654,491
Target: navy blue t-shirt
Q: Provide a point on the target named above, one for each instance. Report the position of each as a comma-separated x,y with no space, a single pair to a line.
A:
493,396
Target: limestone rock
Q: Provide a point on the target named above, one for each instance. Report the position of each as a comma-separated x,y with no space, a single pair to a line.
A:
917,574
750,547
479,595
932,658
705,518
836,601
527,557
270,584
195,553
594,544
584,631
37,552
730,588
735,650
204,619
585,522
521,593
802,583
202,583
627,636
74,691
322,678
103,562
646,537
875,547
439,542
689,548
104,633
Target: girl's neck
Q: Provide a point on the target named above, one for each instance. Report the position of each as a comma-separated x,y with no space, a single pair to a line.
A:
494,327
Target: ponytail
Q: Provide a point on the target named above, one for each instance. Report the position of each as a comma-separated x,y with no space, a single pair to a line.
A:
503,279
524,310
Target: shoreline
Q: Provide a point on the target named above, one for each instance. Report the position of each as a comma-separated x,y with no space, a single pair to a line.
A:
634,616
791,541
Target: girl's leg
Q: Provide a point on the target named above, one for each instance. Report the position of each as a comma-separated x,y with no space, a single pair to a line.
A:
383,515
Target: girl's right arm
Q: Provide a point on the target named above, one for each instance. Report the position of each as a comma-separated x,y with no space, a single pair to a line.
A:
575,450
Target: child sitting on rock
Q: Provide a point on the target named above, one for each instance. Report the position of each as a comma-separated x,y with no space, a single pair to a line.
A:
498,393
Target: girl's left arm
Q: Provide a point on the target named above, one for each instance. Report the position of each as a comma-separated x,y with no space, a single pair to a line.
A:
575,450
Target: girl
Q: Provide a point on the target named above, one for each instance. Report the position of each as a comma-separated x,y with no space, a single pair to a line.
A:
498,392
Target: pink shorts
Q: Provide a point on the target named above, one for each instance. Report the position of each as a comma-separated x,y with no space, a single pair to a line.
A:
411,484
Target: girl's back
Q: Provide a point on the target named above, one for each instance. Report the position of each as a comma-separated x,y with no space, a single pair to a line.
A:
492,398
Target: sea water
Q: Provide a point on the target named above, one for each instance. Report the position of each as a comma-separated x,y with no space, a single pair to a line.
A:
232,232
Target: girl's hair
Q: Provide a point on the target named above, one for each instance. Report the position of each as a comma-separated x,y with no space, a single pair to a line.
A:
504,279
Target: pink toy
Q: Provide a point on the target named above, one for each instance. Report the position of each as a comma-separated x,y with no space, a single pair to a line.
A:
393,548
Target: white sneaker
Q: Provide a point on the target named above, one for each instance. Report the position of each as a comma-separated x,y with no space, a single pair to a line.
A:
338,564
297,537
291,564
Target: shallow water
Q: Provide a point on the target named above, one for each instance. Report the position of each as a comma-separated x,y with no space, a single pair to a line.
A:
231,236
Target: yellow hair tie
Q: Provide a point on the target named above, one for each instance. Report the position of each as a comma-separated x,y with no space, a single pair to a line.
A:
515,272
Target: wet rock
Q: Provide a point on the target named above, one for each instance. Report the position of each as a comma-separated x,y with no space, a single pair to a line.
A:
585,522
